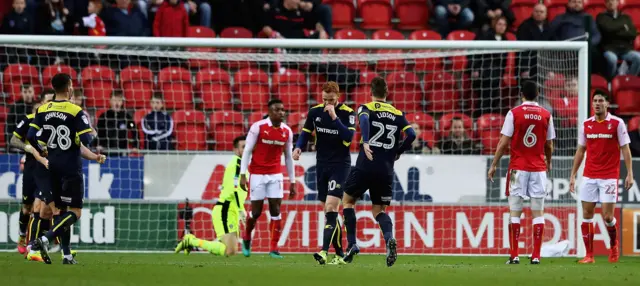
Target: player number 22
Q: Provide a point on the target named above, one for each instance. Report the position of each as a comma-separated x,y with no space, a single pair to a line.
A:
530,138
391,131
60,135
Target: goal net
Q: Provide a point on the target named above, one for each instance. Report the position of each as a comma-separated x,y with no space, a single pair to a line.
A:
164,168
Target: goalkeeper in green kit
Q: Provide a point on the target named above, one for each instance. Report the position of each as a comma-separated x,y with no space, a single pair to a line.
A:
227,213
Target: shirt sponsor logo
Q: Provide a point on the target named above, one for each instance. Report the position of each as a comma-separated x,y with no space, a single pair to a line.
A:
273,142
327,130
599,136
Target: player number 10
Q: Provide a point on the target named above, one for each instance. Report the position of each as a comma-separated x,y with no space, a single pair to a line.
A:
391,131
59,135
530,138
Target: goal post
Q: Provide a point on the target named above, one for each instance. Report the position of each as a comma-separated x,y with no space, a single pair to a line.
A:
214,88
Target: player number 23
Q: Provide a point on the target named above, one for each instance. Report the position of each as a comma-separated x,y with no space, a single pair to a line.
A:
391,131
530,138
60,135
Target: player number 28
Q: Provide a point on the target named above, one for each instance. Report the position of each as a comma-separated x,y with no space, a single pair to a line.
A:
530,138
391,131
60,135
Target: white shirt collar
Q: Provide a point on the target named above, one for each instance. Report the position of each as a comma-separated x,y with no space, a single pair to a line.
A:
529,103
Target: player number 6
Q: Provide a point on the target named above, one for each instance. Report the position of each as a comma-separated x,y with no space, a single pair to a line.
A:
530,138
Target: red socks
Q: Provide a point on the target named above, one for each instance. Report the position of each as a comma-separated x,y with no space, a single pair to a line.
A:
514,236
587,236
538,233
275,227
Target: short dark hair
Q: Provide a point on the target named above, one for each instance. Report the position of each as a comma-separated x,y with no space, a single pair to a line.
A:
25,86
117,93
157,95
456,118
379,88
237,140
529,90
602,93
60,82
273,101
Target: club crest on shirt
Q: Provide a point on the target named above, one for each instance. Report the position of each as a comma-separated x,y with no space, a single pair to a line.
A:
318,119
609,126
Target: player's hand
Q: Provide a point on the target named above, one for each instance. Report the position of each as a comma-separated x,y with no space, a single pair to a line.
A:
492,171
367,151
572,185
292,191
331,110
243,182
100,159
296,154
43,161
45,152
628,182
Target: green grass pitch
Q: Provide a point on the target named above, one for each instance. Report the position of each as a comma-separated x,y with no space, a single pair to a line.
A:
200,269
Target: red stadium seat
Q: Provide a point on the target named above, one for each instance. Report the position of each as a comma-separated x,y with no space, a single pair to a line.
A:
366,76
294,121
256,116
175,84
594,7
555,8
554,82
460,62
376,14
214,86
509,78
224,127
489,140
626,94
343,13
389,65
237,32
17,74
291,88
426,64
50,71
190,130
599,82
201,32
445,123
361,95
98,83
405,91
352,34
138,115
316,81
425,121
413,14
137,84
252,88
631,8
636,43
428,137
490,121
634,123
522,10
441,92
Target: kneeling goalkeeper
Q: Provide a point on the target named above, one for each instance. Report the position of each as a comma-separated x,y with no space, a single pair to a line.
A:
227,212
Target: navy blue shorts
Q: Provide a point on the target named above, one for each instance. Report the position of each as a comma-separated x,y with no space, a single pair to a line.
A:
379,186
330,180
35,183
67,189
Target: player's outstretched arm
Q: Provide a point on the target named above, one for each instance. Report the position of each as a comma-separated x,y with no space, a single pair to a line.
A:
252,138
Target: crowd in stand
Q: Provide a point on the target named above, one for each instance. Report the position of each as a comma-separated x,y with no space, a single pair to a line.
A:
612,40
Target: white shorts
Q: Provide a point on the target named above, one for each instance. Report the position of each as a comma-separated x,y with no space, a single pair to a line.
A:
526,184
598,190
266,186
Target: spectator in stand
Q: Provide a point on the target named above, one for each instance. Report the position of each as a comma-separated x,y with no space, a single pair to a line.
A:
20,108
171,20
419,146
535,28
18,21
634,135
487,70
114,127
317,16
458,143
452,15
78,99
93,22
285,20
618,34
125,19
150,7
158,126
565,111
571,25
488,11
248,14
154,6
52,18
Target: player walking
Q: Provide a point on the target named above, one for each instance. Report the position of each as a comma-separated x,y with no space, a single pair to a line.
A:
528,128
334,124
267,139
68,130
602,136
374,166
226,214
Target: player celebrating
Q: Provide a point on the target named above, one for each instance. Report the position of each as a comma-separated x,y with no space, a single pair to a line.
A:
602,136
334,124
374,166
32,178
69,129
228,211
267,139
528,128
